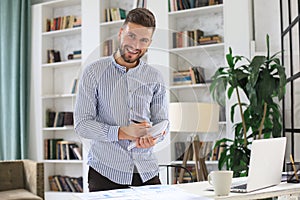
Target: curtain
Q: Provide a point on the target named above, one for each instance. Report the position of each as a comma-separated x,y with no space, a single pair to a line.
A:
14,78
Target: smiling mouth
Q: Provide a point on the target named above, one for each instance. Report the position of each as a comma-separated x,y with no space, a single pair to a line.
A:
132,51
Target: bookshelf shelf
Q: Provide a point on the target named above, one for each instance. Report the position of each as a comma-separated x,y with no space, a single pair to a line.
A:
111,24
63,32
58,195
63,161
196,11
65,128
210,47
199,85
57,96
61,3
69,63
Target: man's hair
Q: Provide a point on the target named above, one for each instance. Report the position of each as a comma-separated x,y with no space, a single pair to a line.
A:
141,16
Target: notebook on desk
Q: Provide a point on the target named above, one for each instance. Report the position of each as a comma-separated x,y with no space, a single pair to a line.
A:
266,164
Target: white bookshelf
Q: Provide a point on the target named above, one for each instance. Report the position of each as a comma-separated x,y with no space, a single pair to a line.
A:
210,20
53,85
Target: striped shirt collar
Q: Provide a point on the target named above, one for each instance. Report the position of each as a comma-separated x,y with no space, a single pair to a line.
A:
122,68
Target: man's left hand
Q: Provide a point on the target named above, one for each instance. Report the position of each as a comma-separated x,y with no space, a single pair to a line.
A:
145,142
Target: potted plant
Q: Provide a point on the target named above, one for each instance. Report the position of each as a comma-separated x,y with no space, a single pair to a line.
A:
262,80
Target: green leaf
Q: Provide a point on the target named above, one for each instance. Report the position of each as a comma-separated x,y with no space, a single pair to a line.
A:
230,92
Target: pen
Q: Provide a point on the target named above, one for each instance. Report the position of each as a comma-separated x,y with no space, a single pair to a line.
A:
294,167
137,122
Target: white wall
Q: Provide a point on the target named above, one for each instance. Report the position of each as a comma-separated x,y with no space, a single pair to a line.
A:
266,21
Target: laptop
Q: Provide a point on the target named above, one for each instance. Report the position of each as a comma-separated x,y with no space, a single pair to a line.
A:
266,164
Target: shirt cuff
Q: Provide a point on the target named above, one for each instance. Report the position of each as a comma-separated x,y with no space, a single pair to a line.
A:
112,134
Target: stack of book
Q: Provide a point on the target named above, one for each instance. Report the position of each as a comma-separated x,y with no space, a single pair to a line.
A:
210,39
64,22
59,119
58,149
65,183
186,38
114,14
193,75
175,5
182,77
75,55
53,56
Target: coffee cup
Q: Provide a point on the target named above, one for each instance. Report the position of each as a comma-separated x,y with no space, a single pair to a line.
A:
221,181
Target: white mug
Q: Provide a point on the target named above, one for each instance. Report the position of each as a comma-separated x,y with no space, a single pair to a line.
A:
221,181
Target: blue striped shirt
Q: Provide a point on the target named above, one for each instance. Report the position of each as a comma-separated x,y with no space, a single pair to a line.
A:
110,97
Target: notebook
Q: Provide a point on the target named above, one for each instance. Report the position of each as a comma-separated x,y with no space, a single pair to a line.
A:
156,131
266,164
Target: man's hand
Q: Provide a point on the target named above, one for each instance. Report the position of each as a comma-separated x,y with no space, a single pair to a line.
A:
133,131
146,141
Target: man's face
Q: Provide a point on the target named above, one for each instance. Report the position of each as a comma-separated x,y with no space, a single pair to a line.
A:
134,41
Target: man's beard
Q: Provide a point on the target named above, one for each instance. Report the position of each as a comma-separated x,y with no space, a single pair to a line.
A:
129,59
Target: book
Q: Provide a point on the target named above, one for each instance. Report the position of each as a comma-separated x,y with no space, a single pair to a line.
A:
74,86
53,56
50,148
65,186
58,183
50,117
78,184
76,151
68,119
52,183
70,184
59,119
210,39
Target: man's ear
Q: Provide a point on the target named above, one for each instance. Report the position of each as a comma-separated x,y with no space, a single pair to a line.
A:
120,33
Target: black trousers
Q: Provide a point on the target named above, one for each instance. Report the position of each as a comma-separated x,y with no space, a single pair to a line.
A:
97,182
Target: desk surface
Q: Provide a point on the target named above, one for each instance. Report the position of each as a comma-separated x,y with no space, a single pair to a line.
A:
200,188
190,190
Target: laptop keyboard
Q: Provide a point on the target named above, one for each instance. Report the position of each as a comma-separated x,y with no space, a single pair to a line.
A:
242,187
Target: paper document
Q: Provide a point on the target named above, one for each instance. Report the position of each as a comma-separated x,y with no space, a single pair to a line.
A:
149,192
155,131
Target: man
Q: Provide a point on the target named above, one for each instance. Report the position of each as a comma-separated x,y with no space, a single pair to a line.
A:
114,94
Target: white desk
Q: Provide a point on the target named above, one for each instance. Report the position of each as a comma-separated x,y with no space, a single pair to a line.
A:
284,190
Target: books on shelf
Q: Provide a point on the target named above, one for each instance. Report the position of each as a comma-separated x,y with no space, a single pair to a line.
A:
61,183
109,46
182,77
193,75
75,55
186,38
63,22
210,39
53,56
139,4
59,119
74,86
175,5
114,14
59,149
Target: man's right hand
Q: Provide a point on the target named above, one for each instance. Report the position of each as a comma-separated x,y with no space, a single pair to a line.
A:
133,131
